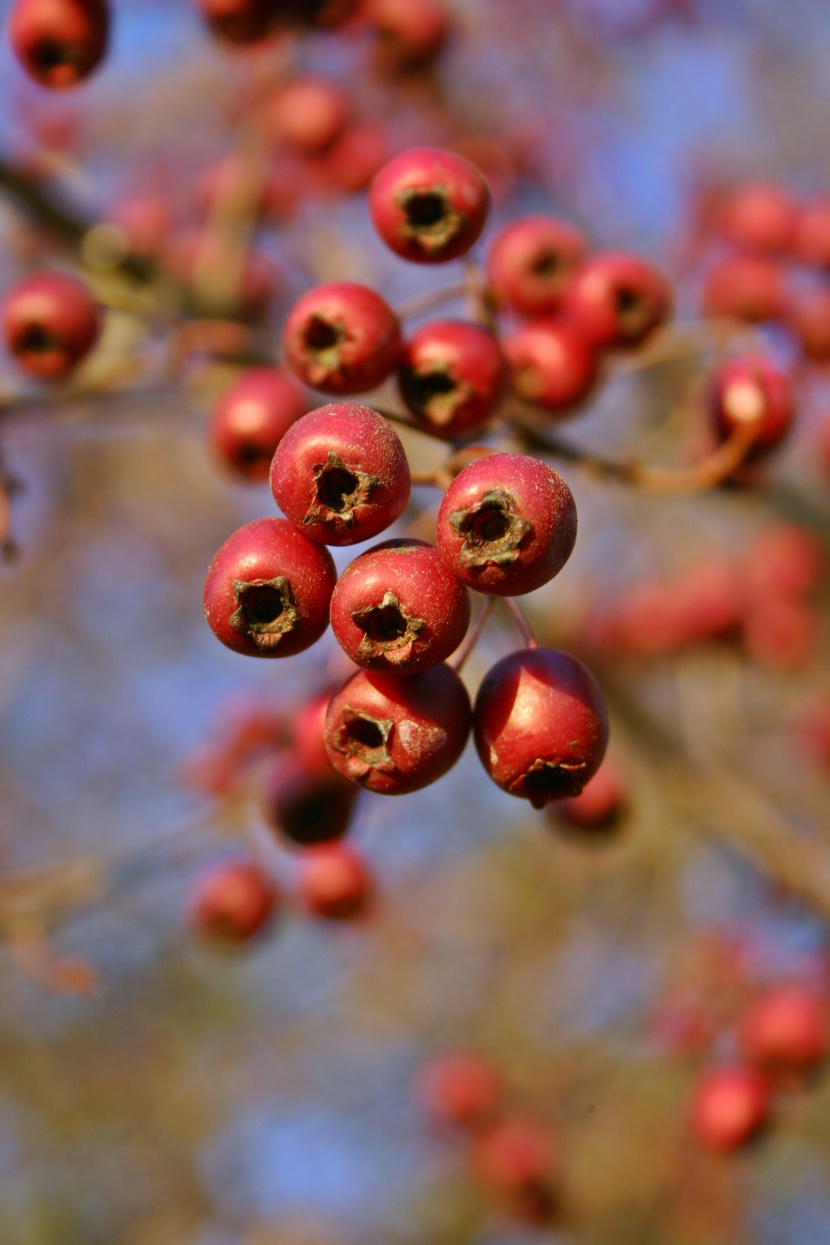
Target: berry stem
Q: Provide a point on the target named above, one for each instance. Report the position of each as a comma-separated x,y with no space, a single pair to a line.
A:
431,300
521,622
473,635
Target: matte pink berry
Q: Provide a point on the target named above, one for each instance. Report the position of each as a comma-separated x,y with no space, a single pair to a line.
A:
307,115
808,316
729,1107
462,1090
268,589
617,300
753,390
234,902
342,338
452,377
341,474
411,33
394,735
429,205
59,42
552,364
759,217
532,262
540,725
335,882
745,287
50,323
507,524
812,234
251,418
398,608
785,1032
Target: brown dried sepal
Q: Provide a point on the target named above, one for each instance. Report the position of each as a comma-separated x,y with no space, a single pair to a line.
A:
339,490
266,610
544,781
387,631
365,742
492,529
430,218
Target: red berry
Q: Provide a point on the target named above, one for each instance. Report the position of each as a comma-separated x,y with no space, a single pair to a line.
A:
729,1107
305,806
783,560
307,731
251,418
394,735
618,300
411,33
238,21
751,389
552,363
268,589
398,608
518,1159
342,338
355,158
335,882
809,318
50,323
745,287
532,262
452,377
781,633
507,524
813,728
461,1090
429,205
234,902
759,217
308,115
785,1031
812,235
600,805
341,474
540,725
59,42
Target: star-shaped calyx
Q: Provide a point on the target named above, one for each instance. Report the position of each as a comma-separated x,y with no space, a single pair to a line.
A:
365,742
388,631
429,217
339,489
544,781
265,610
492,530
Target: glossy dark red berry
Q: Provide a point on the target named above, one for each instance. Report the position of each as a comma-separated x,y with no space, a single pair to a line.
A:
268,589
461,1089
452,377
752,390
233,902
617,300
507,524
785,1031
342,338
341,474
335,883
251,418
50,323
394,735
305,806
531,263
552,364
398,608
540,725
59,42
429,205
729,1107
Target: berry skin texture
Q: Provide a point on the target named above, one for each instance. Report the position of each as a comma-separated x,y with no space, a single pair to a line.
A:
429,205
251,418
506,525
540,725
751,388
341,474
393,735
50,322
729,1107
59,42
452,377
532,262
268,589
785,1032
304,806
342,338
459,1090
552,364
233,903
618,300
397,608
335,883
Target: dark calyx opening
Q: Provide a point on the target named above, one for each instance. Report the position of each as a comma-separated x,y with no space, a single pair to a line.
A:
321,335
489,525
631,307
365,734
249,453
52,54
263,606
37,340
425,389
336,489
425,209
547,264
386,624
550,782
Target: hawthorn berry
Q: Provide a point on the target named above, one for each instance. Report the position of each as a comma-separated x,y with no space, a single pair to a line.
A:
233,902
342,338
307,115
751,389
462,1090
335,882
429,205
411,33
507,524
59,42
50,322
305,806
452,376
618,300
759,217
268,589
601,805
812,234
808,316
307,728
518,1159
341,474
251,418
785,1031
729,1107
745,287
238,21
552,364
532,262
783,560
540,725
394,735
398,608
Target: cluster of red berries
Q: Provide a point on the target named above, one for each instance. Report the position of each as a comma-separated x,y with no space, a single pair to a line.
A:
514,1156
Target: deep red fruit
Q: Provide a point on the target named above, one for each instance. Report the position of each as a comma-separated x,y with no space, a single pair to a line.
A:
355,158
601,804
808,316
532,262
745,287
238,21
251,418
411,33
759,217
540,725
50,323
341,474
552,363
394,735
234,902
785,1031
268,589
729,1107
342,338
452,377
59,42
751,389
461,1090
398,608
812,235
429,205
305,806
307,729
308,115
618,300
507,524
335,882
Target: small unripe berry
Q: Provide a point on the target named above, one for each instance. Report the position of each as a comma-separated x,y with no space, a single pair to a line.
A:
429,205
50,323
785,1031
751,390
342,338
552,364
461,1090
729,1107
251,418
452,377
233,903
335,882
59,42
532,262
618,300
